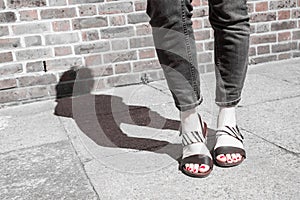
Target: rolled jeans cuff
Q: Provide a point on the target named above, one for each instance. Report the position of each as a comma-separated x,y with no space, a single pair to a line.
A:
229,103
187,107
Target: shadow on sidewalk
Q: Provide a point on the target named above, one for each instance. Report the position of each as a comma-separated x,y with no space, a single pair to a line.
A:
100,116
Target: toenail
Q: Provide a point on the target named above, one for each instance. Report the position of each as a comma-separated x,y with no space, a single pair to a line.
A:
195,170
202,167
222,156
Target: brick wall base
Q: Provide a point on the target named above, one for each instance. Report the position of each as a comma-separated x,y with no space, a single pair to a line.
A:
46,44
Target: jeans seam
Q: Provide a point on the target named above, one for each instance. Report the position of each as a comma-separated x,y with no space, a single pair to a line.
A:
188,49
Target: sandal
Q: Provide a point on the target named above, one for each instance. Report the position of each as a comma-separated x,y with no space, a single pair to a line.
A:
196,152
231,132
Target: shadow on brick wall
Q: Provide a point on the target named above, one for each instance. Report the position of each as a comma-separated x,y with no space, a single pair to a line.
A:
99,116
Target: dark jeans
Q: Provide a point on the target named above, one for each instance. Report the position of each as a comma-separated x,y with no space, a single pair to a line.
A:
176,49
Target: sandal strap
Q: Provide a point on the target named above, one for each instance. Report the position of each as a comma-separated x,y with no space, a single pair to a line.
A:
192,137
231,131
195,136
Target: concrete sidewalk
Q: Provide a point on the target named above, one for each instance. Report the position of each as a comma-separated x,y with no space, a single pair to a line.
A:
123,143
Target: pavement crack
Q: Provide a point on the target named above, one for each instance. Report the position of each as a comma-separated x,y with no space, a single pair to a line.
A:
270,101
79,160
158,89
272,143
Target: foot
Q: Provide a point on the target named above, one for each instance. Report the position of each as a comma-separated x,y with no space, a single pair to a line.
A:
193,142
227,117
229,149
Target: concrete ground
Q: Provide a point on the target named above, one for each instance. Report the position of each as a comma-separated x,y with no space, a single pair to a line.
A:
123,143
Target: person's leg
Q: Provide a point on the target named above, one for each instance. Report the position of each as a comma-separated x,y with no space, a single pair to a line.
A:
230,21
176,49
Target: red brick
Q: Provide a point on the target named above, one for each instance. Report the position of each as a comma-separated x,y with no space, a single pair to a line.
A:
121,56
140,5
63,63
264,59
117,20
37,92
284,14
276,26
261,6
7,17
119,44
28,15
38,79
145,65
284,36
262,17
12,95
27,3
87,10
196,2
284,56
96,71
58,13
259,39
10,69
143,29
37,66
91,22
296,35
93,60
141,42
252,51
90,35
9,43
61,25
263,49
122,68
283,47
113,8
6,57
204,57
117,32
7,83
62,51
197,24
202,35
4,31
146,53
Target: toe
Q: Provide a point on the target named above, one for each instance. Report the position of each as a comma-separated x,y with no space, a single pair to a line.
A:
221,158
203,168
187,167
196,168
238,157
228,158
234,158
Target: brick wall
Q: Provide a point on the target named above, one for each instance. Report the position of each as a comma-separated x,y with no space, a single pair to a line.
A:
41,40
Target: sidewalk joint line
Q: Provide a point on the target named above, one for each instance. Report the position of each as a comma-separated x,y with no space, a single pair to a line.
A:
79,160
272,143
269,101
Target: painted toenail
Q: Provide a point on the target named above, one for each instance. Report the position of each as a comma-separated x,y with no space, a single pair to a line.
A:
222,156
202,167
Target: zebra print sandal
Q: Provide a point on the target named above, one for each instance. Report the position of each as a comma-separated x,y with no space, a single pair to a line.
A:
196,152
237,147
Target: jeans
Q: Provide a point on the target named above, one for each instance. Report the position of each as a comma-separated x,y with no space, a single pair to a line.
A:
173,35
